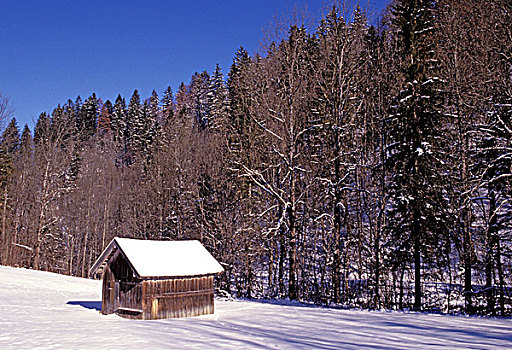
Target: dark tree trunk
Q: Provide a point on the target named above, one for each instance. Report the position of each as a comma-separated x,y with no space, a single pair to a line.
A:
468,287
489,261
501,278
282,256
337,231
292,278
417,261
417,275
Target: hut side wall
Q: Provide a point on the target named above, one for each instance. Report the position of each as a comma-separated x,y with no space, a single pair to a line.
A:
177,297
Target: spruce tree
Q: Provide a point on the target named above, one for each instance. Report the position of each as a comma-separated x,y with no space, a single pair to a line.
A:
131,136
26,141
9,144
239,99
218,100
167,106
104,116
118,119
199,88
87,118
414,148
42,128
11,137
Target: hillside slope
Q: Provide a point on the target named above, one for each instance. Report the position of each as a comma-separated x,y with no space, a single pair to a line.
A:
49,311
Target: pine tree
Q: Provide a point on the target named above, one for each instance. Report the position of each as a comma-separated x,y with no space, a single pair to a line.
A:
42,128
26,139
414,149
118,119
152,125
11,137
77,107
9,145
244,150
133,125
104,116
182,104
167,106
87,118
238,90
199,87
149,133
218,100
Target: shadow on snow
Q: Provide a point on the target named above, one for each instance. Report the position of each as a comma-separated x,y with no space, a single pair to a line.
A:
93,305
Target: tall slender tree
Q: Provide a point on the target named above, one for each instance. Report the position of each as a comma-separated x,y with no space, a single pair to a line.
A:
414,148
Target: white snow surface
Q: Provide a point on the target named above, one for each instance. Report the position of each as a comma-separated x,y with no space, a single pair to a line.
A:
41,310
168,258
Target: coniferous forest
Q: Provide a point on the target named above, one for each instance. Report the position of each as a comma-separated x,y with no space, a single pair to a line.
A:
348,164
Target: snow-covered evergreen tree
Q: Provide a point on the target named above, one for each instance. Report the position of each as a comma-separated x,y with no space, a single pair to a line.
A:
218,100
133,126
414,143
199,88
167,106
104,116
118,119
10,140
88,116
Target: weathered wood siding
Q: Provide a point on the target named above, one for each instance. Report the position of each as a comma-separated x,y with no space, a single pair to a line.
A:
108,295
122,290
177,297
128,296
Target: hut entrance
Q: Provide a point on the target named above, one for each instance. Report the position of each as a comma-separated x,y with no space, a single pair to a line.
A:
110,293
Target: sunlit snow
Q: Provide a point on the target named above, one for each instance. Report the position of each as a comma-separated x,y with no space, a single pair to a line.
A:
41,310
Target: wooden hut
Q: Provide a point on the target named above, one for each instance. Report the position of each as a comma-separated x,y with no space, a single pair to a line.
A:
145,279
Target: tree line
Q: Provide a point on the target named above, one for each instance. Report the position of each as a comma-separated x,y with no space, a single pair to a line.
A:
347,163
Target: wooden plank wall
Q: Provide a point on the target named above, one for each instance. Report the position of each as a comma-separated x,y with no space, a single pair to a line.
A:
108,302
130,295
123,291
179,297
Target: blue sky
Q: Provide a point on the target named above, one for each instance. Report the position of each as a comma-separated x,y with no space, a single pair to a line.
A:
52,50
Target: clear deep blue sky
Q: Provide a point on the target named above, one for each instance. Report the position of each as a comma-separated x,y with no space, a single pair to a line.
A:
53,50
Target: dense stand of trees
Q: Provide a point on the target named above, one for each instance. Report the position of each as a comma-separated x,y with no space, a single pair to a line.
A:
367,166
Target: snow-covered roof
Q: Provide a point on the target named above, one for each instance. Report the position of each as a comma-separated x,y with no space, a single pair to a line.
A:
162,258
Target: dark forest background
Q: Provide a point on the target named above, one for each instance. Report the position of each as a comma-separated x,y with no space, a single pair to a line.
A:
346,164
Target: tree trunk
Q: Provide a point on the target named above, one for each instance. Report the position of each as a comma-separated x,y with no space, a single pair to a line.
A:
37,249
41,225
4,232
282,258
271,268
337,213
468,287
417,260
501,278
417,274
489,263
401,297
86,237
292,278
336,269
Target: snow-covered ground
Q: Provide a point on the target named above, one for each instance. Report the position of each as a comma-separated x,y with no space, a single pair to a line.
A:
49,311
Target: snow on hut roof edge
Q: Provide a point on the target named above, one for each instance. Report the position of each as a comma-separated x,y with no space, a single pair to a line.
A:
163,258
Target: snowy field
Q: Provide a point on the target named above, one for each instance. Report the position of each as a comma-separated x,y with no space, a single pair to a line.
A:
40,310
